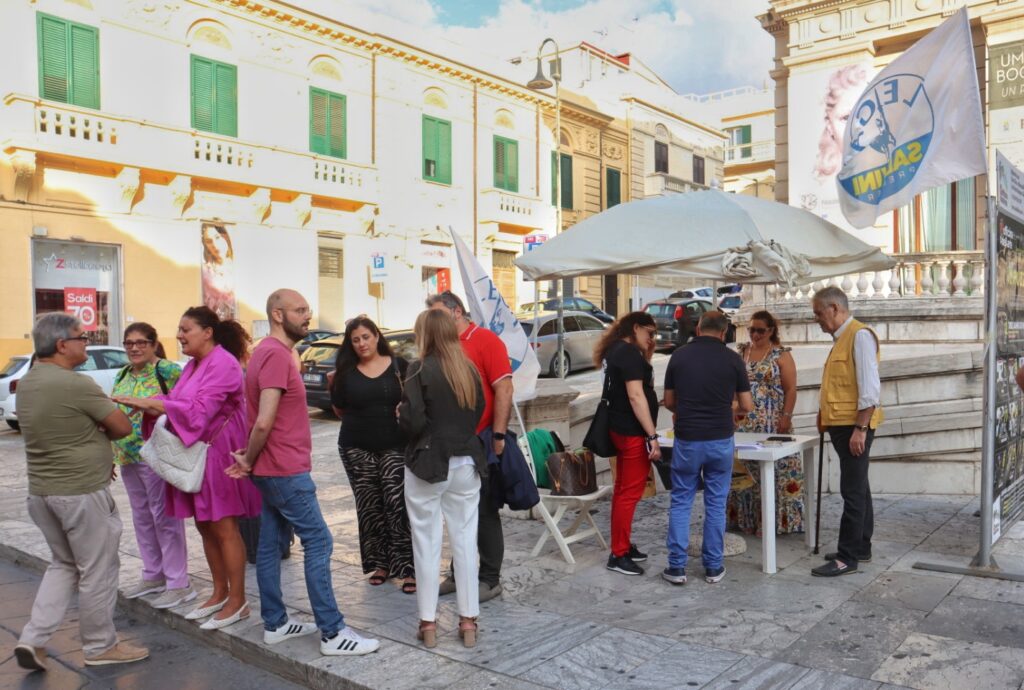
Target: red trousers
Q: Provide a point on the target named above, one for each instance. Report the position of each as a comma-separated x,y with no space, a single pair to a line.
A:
633,468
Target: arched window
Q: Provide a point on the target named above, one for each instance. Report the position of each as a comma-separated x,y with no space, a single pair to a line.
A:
328,109
214,81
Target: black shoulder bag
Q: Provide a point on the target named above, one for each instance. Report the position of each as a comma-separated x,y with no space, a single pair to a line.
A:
598,438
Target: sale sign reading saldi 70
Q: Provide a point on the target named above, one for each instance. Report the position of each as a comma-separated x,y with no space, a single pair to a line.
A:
81,302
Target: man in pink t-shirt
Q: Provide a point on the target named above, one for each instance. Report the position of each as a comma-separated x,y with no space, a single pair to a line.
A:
278,458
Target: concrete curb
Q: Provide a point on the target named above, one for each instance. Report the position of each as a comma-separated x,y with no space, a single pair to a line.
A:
246,650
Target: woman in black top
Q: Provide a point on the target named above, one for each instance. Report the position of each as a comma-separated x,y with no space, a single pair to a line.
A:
366,390
624,352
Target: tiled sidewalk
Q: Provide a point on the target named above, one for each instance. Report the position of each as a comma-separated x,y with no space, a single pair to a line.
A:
581,626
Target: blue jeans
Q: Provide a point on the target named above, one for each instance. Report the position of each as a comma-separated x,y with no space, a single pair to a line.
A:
690,461
292,501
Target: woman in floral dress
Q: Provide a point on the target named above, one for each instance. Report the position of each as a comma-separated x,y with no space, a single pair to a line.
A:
772,375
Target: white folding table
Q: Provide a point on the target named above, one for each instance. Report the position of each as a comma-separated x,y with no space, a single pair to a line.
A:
766,456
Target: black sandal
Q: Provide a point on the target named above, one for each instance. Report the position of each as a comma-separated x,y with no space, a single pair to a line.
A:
409,587
377,579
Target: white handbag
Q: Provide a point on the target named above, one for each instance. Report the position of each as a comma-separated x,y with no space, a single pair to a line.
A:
181,466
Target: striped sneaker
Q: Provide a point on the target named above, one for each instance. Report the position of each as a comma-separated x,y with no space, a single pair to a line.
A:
347,642
289,630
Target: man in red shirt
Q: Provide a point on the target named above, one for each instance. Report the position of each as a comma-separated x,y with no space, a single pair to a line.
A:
489,354
278,457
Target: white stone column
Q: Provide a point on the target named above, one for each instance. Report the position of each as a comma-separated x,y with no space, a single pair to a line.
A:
926,278
877,285
958,279
894,280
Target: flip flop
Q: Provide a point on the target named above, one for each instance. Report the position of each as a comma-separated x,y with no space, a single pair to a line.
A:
377,580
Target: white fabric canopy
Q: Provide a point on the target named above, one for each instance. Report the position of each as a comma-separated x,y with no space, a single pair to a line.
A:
708,234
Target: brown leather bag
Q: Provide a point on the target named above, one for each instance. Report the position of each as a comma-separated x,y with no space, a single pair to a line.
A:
572,473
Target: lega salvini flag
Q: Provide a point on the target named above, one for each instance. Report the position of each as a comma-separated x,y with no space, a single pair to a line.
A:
918,125
488,309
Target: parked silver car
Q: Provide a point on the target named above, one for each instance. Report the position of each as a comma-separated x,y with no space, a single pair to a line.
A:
582,332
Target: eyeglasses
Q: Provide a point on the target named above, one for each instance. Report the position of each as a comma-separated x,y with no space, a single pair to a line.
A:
128,344
758,330
83,338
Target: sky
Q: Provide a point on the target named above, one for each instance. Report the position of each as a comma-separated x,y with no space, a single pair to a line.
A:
697,46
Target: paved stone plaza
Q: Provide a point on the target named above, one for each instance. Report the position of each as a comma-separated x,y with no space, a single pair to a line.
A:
562,626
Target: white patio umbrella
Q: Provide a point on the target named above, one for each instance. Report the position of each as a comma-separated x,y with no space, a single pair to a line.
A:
708,234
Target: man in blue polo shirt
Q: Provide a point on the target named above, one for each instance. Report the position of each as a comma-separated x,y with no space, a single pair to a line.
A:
702,381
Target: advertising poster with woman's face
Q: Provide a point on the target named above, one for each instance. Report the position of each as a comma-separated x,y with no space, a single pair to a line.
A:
218,271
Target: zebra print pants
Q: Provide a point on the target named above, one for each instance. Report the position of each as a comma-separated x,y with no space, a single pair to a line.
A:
376,478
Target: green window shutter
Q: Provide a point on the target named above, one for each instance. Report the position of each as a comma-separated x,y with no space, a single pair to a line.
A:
499,162
745,139
226,98
567,195
512,165
85,66
54,71
429,148
336,124
444,145
318,121
202,94
437,150
613,192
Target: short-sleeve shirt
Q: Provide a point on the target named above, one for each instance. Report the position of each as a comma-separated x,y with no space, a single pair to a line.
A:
144,384
289,445
625,362
367,405
58,410
706,376
490,356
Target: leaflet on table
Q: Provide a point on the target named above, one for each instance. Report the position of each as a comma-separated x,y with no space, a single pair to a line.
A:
750,446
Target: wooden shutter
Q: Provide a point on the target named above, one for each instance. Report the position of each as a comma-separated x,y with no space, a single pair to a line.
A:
499,162
746,151
613,192
317,121
336,125
430,163
54,71
226,98
512,167
85,66
444,145
567,195
202,94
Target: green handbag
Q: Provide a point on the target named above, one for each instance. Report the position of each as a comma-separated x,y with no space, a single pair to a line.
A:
542,444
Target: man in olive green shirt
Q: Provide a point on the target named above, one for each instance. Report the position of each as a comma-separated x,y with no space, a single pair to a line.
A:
68,423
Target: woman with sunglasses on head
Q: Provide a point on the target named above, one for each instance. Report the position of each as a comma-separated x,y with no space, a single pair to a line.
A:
161,538
624,351
208,405
772,375
365,390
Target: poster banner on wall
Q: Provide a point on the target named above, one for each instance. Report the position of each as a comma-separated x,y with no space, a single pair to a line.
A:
81,302
488,309
218,271
917,125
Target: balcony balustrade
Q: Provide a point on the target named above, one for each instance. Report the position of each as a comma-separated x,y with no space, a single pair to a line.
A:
510,208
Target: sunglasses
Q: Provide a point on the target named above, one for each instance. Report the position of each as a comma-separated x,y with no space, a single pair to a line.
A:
757,330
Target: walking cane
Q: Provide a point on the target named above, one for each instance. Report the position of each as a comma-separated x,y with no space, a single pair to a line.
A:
817,511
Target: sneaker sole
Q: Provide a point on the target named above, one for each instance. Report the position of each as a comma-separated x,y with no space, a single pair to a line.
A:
184,600
638,560
673,580
354,652
293,636
714,580
154,590
620,570
27,659
111,662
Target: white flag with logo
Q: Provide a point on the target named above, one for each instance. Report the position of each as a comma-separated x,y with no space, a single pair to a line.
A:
918,125
488,309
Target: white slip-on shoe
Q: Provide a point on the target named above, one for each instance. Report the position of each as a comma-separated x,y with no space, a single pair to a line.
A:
204,611
218,623
289,630
347,642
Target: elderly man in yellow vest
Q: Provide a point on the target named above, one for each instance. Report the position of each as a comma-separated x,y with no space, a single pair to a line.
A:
849,409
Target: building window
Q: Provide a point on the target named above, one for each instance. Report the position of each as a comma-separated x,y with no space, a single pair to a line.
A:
613,187
738,136
437,150
214,96
660,157
506,164
69,61
566,180
327,123
698,169
939,220
330,262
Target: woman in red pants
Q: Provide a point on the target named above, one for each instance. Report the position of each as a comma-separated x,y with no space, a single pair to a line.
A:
633,411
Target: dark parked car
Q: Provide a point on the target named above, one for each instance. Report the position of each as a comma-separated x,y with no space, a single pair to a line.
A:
569,304
319,360
677,320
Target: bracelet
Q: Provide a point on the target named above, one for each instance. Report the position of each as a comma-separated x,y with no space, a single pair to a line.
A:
652,437
785,414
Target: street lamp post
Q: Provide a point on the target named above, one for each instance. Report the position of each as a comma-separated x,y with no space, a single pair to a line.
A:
540,83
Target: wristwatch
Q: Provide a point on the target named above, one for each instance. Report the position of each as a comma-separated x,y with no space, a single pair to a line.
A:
498,436
652,437
861,428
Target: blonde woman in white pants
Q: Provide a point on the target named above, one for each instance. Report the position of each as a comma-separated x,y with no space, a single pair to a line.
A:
440,408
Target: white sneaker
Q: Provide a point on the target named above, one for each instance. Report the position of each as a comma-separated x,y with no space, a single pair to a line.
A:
288,631
174,597
347,642
144,587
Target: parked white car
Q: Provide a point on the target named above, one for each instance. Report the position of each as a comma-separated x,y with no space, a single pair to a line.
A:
102,365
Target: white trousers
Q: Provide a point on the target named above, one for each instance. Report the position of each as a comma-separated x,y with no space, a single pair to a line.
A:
458,499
